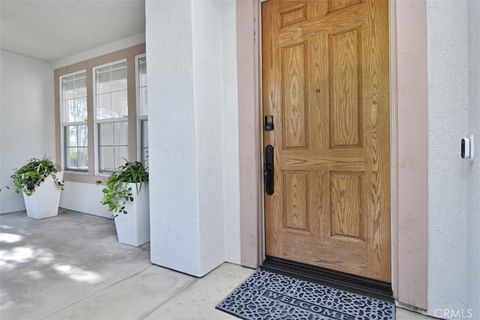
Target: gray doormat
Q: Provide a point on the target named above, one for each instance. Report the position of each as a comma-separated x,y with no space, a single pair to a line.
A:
271,296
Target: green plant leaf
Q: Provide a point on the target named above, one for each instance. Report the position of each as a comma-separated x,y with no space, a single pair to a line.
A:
117,191
33,174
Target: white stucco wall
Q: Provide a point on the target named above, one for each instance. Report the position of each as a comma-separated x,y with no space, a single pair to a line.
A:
95,52
193,134
452,269
208,105
84,197
172,145
26,118
473,219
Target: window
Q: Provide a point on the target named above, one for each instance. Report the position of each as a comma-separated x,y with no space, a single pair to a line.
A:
142,86
142,107
102,107
144,140
111,115
74,121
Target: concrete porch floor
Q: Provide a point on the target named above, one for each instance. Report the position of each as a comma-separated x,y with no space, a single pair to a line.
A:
72,267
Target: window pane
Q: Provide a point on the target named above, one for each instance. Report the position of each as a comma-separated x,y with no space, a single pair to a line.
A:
142,72
142,97
76,158
71,158
69,78
105,69
119,78
106,159
102,79
121,133
119,104
119,65
71,136
145,132
106,134
104,106
68,86
81,87
142,107
113,144
82,158
74,101
112,94
67,105
121,155
76,147
79,110
82,135
75,110
143,101
144,142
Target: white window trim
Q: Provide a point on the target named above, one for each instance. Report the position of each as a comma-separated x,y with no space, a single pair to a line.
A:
140,118
65,124
96,144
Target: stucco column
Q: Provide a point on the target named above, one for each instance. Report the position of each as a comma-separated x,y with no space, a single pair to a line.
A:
185,132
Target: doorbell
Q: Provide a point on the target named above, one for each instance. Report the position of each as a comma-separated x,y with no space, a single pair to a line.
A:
467,148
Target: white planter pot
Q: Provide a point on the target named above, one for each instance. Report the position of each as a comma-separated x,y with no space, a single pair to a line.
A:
133,228
44,201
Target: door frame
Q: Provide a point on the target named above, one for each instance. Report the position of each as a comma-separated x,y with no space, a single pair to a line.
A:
408,152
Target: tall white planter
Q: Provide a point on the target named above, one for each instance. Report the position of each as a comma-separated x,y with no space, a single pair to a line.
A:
44,201
133,228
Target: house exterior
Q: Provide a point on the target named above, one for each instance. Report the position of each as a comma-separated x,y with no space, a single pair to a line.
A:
206,147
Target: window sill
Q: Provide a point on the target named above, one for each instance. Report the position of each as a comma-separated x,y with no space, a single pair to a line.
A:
77,172
82,177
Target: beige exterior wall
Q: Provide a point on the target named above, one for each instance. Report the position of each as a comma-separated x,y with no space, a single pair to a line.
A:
411,198
249,133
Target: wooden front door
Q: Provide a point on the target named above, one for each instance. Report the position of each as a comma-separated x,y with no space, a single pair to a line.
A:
325,68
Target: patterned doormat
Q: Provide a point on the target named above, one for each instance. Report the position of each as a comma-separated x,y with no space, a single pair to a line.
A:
271,296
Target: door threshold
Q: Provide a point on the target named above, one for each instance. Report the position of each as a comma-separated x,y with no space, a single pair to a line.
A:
364,286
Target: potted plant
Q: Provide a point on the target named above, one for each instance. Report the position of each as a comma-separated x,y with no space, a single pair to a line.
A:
40,181
126,195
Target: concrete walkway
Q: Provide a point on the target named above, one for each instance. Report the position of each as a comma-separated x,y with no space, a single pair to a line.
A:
72,267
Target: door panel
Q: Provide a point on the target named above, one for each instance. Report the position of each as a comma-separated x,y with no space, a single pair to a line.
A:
325,73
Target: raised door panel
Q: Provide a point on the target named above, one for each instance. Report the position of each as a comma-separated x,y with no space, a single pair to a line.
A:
334,5
345,88
296,188
293,15
294,102
347,204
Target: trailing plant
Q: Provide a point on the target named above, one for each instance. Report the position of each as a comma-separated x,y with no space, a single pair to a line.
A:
34,173
117,192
